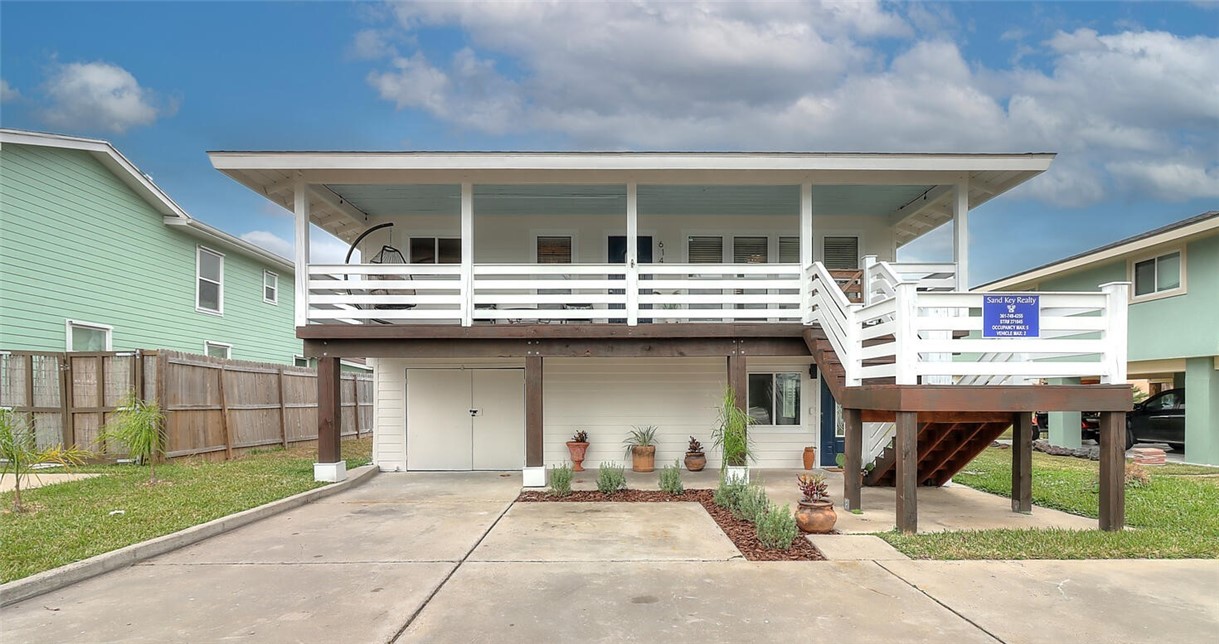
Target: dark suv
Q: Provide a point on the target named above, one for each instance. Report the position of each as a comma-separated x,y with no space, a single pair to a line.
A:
1159,419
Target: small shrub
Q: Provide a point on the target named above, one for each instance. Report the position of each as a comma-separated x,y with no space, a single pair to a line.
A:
777,528
560,480
840,459
611,477
751,504
695,447
670,479
137,424
812,487
728,492
580,437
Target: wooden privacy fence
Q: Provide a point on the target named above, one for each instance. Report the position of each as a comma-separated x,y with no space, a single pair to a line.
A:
212,406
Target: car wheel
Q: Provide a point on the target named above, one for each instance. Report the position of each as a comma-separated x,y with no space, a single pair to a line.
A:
1129,436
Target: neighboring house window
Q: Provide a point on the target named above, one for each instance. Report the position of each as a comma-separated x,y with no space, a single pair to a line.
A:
217,349
1158,275
553,249
435,250
774,398
840,252
300,361
270,287
209,281
705,249
87,336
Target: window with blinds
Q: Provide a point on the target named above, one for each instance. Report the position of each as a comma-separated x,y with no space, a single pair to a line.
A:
554,250
705,249
840,252
750,250
789,250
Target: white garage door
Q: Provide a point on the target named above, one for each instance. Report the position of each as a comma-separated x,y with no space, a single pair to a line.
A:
465,419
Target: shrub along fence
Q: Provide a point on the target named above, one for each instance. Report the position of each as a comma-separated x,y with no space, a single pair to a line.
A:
212,407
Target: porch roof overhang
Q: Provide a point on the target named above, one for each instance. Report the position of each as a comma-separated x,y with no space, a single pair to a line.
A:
334,177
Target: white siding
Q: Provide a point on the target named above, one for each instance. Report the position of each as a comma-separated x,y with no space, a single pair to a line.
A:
605,397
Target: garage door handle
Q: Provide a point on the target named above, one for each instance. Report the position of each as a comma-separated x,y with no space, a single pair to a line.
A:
475,412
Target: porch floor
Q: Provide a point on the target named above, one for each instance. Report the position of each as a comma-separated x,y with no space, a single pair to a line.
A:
941,509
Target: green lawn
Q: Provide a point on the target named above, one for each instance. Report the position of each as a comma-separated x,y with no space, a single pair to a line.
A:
73,521
1175,516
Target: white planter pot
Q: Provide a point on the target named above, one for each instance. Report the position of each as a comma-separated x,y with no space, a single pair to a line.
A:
737,474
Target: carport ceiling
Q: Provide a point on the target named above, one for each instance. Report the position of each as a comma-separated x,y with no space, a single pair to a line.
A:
496,200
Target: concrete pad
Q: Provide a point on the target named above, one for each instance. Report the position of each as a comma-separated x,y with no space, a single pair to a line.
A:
1105,601
855,547
606,532
325,530
162,603
9,481
700,602
940,509
436,487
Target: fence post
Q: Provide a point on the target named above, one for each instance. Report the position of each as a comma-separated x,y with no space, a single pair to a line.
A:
67,425
283,409
1117,298
224,419
905,334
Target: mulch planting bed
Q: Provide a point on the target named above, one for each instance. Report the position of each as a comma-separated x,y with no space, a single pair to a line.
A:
742,533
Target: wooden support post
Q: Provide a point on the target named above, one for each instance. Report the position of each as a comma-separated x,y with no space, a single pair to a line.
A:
66,425
738,379
283,409
907,471
1022,463
329,410
224,418
533,411
1112,510
101,402
852,476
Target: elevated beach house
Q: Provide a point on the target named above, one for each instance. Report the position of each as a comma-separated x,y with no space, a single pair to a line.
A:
519,297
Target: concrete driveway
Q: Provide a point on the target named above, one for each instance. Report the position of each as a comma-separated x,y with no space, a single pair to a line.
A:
449,558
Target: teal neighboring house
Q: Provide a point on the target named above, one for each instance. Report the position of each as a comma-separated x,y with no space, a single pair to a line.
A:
1173,314
95,257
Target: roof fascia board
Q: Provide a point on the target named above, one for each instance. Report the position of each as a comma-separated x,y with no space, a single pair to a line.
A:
1117,252
200,229
626,162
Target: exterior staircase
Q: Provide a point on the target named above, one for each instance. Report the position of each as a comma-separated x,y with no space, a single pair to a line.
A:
944,448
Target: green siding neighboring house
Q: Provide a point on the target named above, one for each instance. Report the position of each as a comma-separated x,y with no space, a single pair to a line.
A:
1173,315
89,247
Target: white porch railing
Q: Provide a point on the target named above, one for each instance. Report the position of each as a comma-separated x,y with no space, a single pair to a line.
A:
544,293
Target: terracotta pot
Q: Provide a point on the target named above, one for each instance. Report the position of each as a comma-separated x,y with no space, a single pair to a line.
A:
577,451
810,457
696,461
816,517
643,458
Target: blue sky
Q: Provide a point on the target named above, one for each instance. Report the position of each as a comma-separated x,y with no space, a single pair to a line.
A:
1126,93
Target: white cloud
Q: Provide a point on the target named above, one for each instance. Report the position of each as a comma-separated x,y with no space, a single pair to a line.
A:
8,92
100,95
1139,105
324,248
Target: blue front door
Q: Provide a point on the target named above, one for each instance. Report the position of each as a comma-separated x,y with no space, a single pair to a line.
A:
831,443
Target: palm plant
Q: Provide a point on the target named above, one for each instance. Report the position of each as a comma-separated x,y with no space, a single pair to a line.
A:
732,435
19,449
137,424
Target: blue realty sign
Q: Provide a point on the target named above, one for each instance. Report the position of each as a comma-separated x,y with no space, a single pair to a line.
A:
1011,316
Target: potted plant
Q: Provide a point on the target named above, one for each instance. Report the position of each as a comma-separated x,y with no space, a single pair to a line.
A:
641,447
733,440
577,447
696,460
816,512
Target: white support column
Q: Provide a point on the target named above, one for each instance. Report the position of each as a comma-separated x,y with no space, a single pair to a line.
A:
1118,298
632,254
960,233
865,282
301,209
467,254
806,251
905,334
